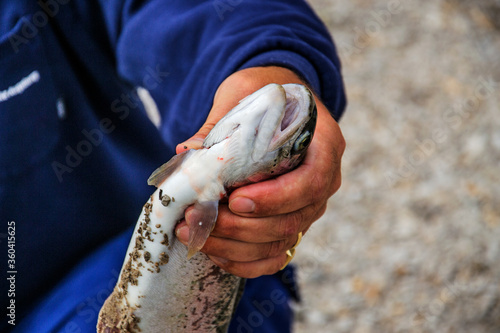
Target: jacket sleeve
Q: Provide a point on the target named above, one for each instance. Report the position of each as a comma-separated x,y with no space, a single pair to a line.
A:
181,50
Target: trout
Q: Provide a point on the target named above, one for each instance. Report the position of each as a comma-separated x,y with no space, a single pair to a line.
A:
165,286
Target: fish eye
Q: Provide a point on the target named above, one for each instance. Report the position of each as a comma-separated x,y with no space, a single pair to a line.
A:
302,142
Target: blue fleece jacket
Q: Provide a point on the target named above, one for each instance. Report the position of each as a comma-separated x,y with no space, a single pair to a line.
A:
76,145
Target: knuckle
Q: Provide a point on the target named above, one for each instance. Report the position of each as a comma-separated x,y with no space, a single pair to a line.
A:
289,225
317,190
275,248
337,182
321,211
342,145
318,212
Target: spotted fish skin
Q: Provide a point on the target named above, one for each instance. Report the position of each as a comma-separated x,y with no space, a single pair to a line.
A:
165,286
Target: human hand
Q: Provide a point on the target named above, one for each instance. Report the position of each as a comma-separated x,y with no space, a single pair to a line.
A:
262,221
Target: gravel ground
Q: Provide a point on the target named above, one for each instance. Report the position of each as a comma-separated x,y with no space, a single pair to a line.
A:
411,242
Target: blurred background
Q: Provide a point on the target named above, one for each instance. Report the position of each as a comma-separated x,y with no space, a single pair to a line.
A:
411,242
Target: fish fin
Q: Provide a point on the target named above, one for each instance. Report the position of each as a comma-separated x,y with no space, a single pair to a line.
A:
275,105
202,223
220,133
163,172
226,126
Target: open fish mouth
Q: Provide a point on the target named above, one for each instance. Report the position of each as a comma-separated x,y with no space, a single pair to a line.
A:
273,116
299,111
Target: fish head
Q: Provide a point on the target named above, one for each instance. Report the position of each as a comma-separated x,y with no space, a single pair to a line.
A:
294,133
266,134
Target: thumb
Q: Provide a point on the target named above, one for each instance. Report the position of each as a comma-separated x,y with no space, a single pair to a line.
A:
234,88
194,142
225,99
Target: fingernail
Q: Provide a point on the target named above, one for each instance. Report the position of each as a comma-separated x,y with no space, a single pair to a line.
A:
193,143
182,234
242,205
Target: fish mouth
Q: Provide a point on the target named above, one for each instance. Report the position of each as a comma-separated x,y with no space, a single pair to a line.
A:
298,115
268,119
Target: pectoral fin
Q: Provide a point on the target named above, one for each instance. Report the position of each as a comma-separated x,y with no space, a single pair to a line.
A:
163,172
202,223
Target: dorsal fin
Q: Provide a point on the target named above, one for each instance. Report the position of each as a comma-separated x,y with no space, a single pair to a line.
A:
164,171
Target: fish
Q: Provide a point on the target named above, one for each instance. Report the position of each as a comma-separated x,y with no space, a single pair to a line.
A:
165,286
